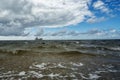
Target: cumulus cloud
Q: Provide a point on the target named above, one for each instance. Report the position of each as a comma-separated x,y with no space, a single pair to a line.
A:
101,6
95,19
63,32
22,14
103,33
66,33
73,33
20,17
96,32
39,32
12,30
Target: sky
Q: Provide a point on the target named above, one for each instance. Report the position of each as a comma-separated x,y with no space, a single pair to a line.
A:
59,19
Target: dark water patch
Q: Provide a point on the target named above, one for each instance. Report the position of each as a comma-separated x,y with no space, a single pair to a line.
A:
40,47
98,47
20,52
76,53
14,52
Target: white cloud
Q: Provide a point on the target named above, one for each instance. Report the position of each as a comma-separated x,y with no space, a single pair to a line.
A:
63,32
108,33
22,14
95,19
3,13
72,34
113,30
101,6
68,34
20,17
17,38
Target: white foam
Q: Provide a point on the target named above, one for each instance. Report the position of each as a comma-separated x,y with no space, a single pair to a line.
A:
109,66
36,74
72,75
78,65
112,70
41,66
83,76
74,69
75,79
22,73
61,66
115,48
98,72
52,75
93,76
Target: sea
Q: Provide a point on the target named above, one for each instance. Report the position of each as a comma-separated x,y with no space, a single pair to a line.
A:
60,60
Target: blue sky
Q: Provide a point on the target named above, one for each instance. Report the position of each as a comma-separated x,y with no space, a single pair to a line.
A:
61,19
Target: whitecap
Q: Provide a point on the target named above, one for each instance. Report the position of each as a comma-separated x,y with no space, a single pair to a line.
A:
22,73
61,66
93,76
53,75
36,74
40,66
78,65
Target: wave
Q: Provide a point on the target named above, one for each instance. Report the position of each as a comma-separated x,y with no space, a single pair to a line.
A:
99,47
115,48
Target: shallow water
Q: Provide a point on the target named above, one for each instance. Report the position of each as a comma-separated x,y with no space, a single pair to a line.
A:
60,60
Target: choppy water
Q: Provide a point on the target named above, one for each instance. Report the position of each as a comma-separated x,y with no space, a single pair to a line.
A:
64,60
105,47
